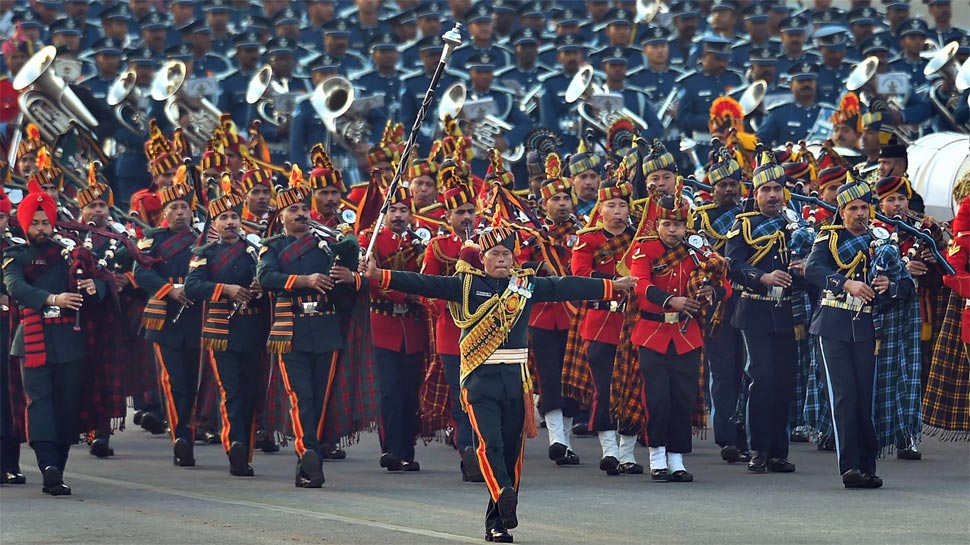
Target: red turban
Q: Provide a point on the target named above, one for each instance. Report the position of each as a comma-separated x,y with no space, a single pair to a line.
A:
35,200
5,204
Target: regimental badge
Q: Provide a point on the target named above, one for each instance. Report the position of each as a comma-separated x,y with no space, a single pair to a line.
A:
145,243
512,303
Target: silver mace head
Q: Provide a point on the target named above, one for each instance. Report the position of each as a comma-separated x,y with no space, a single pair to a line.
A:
453,36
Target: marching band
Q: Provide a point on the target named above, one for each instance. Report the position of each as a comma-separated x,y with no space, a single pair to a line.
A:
613,220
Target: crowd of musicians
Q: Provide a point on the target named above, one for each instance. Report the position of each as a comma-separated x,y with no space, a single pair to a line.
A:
270,285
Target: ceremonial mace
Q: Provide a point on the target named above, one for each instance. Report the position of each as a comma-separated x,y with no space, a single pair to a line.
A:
452,40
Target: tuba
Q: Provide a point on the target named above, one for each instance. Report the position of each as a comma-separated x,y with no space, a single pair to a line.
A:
582,89
169,87
482,130
864,81
126,101
332,100
752,98
943,62
268,94
46,100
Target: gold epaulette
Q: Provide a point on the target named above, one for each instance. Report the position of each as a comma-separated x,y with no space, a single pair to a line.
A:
590,229
646,238
465,267
747,214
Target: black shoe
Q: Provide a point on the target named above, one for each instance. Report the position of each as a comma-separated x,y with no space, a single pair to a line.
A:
730,454
631,468
681,476
390,462
471,471
557,451
827,445
853,479
101,449
757,464
780,465
871,481
309,473
908,454
498,536
744,456
410,465
239,460
12,477
210,438
581,429
798,436
610,465
335,453
152,424
137,418
660,474
508,500
54,482
570,459
184,455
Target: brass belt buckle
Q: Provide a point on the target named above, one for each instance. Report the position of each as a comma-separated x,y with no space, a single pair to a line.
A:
776,293
614,306
52,311
309,309
671,317
177,286
399,309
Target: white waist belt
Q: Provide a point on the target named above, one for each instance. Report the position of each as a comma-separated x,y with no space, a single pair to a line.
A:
508,356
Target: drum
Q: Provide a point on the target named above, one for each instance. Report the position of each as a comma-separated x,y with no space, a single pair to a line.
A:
936,163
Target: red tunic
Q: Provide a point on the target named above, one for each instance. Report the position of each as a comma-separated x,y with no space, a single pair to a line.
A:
440,259
9,107
550,316
673,280
398,324
598,325
958,256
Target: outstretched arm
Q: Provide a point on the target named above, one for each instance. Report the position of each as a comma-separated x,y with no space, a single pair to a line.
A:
441,287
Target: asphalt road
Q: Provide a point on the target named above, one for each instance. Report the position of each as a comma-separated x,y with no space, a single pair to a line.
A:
140,497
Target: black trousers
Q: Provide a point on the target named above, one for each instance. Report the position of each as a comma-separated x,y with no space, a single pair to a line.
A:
549,350
670,388
725,359
850,371
241,388
179,373
496,410
308,378
9,444
601,356
463,429
771,368
53,393
401,377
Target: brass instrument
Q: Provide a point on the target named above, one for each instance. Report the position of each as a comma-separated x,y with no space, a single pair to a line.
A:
752,98
529,101
943,62
962,79
273,100
863,80
126,101
169,87
582,89
332,100
46,100
670,103
482,130
648,10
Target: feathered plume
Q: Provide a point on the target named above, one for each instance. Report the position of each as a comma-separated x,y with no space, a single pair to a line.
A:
319,157
43,159
724,108
497,172
225,183
296,176
33,133
553,166
620,135
92,174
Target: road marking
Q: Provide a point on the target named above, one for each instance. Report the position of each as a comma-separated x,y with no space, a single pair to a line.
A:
268,507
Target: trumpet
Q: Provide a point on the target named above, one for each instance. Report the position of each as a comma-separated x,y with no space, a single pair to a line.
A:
49,103
126,101
169,87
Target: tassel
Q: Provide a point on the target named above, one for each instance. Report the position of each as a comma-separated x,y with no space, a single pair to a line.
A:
530,427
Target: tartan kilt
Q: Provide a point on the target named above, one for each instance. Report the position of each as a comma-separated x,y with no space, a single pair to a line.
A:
141,371
273,414
803,367
435,393
628,406
354,404
946,403
577,378
103,394
896,400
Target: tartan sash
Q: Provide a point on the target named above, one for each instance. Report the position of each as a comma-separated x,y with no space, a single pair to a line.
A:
297,249
554,246
153,319
223,260
670,258
613,248
35,349
769,226
849,248
399,258
723,223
